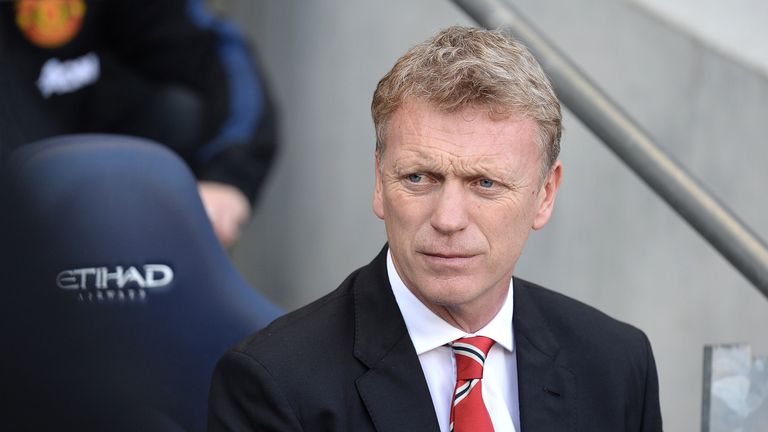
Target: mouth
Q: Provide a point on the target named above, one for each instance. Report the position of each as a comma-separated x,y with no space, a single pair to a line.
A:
448,259
447,255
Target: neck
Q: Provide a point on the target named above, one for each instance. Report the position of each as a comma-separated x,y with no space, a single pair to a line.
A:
467,318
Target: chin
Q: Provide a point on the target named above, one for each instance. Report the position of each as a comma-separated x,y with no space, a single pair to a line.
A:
451,294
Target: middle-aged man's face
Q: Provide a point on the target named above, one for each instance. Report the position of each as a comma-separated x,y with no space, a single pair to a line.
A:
459,194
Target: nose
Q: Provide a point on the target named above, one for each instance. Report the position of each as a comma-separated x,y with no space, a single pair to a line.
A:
450,213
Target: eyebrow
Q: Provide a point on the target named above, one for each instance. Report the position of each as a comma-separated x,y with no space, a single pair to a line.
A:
423,163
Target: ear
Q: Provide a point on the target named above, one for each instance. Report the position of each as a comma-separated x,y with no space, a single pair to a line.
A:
378,198
547,196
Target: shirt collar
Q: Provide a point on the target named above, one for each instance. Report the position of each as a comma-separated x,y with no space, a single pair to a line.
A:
428,331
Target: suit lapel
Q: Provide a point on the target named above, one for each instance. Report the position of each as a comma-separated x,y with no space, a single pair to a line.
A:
394,389
546,388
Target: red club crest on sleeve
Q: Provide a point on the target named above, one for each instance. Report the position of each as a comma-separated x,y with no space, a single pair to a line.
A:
50,23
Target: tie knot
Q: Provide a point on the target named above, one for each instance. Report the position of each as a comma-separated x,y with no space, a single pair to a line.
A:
470,353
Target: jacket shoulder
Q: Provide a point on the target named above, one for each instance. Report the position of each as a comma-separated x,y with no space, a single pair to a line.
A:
574,321
327,319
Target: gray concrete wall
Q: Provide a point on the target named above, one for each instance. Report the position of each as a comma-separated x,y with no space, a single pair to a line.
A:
612,243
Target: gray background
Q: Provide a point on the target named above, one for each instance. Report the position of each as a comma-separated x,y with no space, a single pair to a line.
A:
611,243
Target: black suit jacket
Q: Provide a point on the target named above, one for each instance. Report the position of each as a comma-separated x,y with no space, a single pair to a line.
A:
346,363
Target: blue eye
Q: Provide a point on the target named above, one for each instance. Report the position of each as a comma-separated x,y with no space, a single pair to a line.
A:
415,178
485,183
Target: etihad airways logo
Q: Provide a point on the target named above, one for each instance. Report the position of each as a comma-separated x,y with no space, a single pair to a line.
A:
118,284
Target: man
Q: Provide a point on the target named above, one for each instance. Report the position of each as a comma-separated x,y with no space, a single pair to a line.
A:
436,333
164,70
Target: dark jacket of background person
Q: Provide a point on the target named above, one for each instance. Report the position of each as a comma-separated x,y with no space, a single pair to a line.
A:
165,70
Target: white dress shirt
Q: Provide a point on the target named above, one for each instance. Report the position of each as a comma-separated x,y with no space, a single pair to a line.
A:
430,334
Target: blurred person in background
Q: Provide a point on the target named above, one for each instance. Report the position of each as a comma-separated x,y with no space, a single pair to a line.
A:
167,70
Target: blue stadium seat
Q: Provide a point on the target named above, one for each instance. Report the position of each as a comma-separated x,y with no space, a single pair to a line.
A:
119,298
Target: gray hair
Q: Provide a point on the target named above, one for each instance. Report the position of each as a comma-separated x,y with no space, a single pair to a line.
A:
461,67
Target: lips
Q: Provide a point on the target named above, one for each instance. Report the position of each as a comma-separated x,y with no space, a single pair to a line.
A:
451,261
448,255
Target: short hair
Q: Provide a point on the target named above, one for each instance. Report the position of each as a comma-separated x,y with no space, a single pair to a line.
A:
461,67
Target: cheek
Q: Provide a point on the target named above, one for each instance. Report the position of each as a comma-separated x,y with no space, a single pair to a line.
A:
505,228
399,221
406,209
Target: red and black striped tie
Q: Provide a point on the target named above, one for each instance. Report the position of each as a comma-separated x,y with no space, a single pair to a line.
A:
468,412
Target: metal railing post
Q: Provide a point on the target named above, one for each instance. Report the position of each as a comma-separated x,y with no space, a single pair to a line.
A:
732,238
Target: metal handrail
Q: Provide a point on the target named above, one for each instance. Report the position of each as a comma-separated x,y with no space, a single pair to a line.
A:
701,209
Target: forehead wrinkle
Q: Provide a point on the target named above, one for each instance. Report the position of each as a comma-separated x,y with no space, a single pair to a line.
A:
420,159
480,166
411,123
